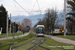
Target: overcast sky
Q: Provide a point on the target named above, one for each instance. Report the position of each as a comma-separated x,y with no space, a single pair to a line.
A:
31,6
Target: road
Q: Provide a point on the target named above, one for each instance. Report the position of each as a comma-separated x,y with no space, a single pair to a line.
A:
14,37
62,40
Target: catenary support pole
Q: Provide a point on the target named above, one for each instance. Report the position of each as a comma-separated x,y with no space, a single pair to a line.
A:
10,24
64,18
7,26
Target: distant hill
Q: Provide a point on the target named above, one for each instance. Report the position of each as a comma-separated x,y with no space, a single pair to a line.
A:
33,18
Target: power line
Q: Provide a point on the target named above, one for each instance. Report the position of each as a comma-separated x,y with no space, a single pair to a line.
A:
34,4
49,4
21,6
45,6
38,6
15,5
33,7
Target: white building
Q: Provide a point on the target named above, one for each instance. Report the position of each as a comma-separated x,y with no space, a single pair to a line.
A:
57,31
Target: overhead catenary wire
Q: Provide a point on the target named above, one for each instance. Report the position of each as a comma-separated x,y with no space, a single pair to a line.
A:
38,6
44,6
49,4
15,6
33,7
21,6
34,4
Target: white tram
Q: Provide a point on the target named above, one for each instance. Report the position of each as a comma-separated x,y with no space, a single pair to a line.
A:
40,30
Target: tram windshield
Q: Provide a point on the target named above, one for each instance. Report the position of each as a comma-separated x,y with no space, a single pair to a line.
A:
40,30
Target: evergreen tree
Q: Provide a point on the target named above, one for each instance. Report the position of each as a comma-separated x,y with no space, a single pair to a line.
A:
3,16
71,18
72,12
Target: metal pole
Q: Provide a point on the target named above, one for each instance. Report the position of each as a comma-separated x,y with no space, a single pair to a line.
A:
18,31
1,29
7,27
49,32
64,18
10,24
15,25
13,30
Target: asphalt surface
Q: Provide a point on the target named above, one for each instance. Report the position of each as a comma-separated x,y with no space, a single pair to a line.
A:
62,40
14,37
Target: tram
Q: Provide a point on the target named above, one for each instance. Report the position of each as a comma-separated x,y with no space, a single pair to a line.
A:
40,30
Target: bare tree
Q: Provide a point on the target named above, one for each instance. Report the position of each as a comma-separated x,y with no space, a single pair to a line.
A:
21,27
70,25
26,23
49,21
51,16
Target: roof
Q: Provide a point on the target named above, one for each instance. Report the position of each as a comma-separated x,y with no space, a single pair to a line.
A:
39,26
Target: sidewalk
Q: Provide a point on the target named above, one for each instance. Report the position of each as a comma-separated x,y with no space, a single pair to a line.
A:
62,40
14,37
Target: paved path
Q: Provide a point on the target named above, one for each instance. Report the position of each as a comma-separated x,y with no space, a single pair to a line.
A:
62,40
14,37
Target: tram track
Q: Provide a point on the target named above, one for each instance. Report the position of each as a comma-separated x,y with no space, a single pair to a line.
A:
37,44
24,44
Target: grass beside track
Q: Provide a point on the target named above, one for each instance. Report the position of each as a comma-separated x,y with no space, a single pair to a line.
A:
39,48
23,42
53,44
5,44
26,47
49,43
67,36
38,40
4,35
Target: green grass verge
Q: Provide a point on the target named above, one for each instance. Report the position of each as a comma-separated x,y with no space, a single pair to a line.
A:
23,42
55,44
67,36
49,47
38,40
26,47
4,35
5,44
39,48
16,39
